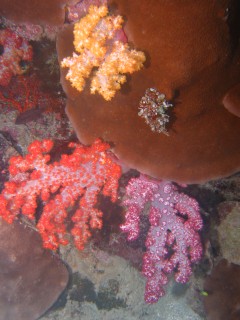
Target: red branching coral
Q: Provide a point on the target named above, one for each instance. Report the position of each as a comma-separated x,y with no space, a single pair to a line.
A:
25,93
173,242
14,50
76,180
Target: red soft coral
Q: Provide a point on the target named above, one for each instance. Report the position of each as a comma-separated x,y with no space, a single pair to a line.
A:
76,180
14,50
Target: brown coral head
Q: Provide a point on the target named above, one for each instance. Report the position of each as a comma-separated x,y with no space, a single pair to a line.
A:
223,292
203,141
35,11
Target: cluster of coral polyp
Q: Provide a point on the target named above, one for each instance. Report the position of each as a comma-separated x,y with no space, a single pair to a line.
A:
76,180
98,41
14,50
153,109
173,242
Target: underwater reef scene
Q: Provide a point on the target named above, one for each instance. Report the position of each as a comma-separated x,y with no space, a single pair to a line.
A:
119,159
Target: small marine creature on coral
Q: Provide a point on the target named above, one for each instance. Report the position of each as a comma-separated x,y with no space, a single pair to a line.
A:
153,108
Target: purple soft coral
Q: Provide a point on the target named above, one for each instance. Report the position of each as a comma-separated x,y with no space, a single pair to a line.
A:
173,242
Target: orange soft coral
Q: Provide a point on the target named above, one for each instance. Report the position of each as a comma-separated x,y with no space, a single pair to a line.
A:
96,45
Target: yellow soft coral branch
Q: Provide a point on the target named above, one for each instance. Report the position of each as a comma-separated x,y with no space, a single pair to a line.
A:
93,42
110,74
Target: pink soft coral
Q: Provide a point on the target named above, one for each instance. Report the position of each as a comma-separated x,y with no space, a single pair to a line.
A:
173,242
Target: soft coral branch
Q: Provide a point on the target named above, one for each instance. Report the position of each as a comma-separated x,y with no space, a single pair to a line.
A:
100,43
76,180
173,242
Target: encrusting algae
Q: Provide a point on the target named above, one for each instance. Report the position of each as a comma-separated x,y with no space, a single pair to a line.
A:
96,46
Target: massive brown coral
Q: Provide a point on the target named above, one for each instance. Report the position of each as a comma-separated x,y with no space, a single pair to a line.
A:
35,11
193,57
32,278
